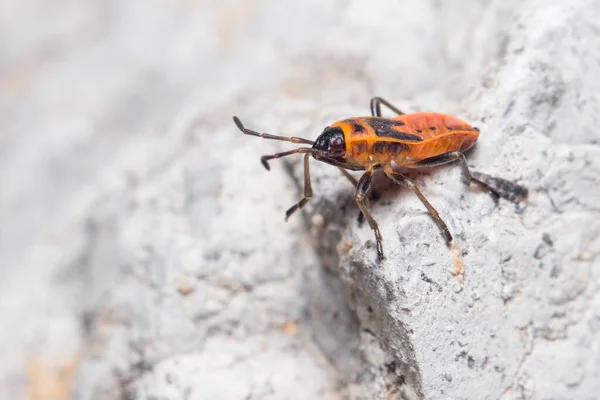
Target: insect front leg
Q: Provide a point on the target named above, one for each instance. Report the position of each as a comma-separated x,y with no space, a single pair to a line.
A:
408,183
496,187
352,179
376,103
307,190
362,192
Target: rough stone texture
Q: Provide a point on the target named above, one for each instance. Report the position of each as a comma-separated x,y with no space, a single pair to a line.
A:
143,252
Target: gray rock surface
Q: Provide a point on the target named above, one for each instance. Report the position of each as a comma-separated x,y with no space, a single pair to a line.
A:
143,252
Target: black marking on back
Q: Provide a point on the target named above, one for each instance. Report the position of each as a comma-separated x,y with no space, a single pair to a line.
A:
385,127
356,126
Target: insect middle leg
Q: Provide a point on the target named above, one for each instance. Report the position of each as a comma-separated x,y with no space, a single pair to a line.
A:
307,190
409,183
496,187
376,103
373,195
362,192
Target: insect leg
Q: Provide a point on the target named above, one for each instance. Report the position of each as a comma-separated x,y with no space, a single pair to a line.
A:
376,103
352,179
362,191
506,189
344,166
307,190
497,187
361,217
373,196
408,183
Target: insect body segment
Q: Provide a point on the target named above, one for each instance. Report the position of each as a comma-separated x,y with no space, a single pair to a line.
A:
372,141
441,134
411,140
376,140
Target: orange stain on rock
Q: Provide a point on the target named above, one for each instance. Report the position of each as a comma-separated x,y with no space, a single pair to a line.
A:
50,382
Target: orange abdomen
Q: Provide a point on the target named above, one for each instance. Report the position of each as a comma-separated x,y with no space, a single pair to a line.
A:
442,133
376,140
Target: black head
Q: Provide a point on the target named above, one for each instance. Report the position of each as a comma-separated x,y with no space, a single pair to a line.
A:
331,141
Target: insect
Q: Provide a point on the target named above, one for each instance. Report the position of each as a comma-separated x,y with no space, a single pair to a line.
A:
418,140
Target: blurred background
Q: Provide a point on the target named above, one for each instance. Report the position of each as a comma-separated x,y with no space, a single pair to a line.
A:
89,89
143,252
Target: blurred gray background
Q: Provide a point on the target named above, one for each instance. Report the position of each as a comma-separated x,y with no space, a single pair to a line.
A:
143,252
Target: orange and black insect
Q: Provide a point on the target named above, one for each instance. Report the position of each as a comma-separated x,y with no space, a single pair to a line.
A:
418,140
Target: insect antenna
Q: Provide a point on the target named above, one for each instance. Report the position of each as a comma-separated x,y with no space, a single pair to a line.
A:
247,131
302,150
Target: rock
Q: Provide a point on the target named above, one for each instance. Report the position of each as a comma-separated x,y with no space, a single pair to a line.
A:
144,252
527,280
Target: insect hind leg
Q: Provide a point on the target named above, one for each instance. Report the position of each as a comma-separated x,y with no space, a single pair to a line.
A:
506,189
402,180
496,187
376,103
448,158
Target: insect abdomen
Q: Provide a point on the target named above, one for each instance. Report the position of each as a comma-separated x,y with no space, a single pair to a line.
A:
385,151
369,151
451,141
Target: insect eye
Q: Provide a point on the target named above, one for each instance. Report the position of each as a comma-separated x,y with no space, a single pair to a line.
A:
337,144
